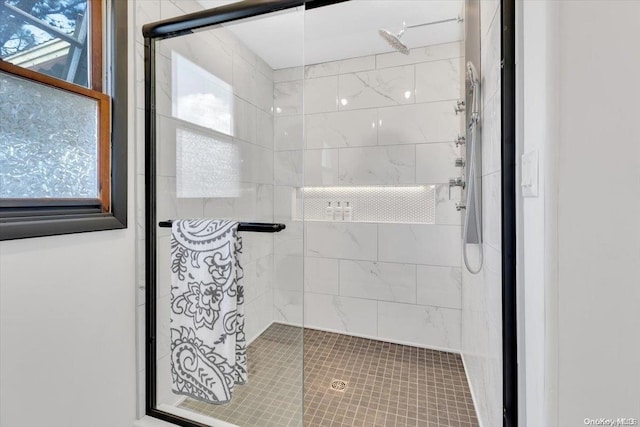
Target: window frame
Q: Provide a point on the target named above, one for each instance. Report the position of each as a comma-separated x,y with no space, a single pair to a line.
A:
26,218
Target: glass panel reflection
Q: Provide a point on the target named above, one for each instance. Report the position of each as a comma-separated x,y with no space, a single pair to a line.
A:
200,97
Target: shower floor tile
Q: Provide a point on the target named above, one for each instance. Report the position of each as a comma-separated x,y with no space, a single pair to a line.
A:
386,384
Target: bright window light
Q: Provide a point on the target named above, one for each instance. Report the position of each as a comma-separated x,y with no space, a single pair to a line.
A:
200,97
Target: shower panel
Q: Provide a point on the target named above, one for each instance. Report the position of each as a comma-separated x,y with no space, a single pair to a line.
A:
472,51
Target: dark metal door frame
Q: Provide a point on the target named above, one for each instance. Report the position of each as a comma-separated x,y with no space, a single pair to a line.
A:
249,8
509,304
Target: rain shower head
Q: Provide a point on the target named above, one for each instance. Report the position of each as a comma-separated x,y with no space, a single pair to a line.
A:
394,39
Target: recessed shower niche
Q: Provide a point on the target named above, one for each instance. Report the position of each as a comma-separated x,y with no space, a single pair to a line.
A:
396,204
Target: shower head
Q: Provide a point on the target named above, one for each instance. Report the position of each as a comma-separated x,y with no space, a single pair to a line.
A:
394,40
472,75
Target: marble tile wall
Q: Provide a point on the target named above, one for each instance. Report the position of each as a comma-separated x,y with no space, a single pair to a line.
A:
481,293
377,120
251,81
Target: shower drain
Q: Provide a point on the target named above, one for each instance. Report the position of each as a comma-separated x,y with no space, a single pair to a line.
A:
339,385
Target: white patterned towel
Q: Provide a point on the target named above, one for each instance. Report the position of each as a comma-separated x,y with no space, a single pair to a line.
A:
208,347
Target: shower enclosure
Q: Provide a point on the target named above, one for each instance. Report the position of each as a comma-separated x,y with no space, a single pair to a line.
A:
347,155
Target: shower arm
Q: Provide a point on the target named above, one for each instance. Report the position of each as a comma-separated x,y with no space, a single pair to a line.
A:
457,19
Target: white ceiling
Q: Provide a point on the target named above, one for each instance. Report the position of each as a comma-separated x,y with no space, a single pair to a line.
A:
344,30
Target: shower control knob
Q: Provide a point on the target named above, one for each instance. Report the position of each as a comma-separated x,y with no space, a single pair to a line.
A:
459,108
456,182
460,140
460,206
460,162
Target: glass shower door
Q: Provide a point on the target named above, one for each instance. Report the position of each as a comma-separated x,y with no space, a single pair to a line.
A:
216,157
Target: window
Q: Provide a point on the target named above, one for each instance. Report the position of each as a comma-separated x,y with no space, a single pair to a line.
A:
62,150
200,97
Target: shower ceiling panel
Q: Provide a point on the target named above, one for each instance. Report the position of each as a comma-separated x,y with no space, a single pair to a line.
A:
346,30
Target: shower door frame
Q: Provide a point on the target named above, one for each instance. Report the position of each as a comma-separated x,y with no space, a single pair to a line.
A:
251,8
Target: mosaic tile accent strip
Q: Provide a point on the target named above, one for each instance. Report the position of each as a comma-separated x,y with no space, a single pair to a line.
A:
388,384
396,204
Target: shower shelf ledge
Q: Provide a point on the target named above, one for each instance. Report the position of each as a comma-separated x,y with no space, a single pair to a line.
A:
414,204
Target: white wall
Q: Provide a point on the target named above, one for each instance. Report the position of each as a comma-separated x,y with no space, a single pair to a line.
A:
384,119
581,252
67,336
598,212
537,259
482,293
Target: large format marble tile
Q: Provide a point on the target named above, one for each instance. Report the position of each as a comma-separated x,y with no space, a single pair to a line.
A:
436,52
377,165
288,168
419,123
321,167
288,132
290,240
351,65
170,207
258,315
378,88
258,275
257,164
256,246
288,306
491,210
342,129
288,272
264,202
342,240
218,62
287,98
164,87
321,95
145,12
166,146
435,163
446,199
378,281
440,80
283,200
244,79
491,142
490,57
242,207
425,326
264,92
342,314
265,69
488,15
420,244
288,74
264,132
321,275
245,120
439,286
